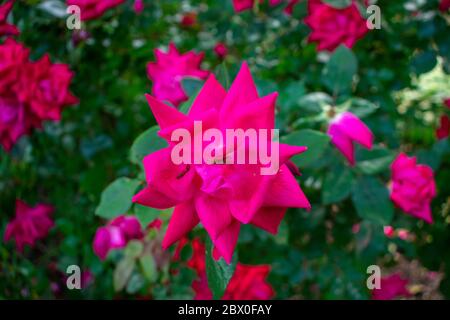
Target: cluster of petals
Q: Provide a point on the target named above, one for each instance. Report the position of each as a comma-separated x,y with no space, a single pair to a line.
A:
413,187
92,9
116,234
220,196
30,92
29,225
345,130
331,27
391,287
168,71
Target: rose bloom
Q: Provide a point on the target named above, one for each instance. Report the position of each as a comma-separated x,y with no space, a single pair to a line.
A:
29,225
444,127
92,9
220,196
221,50
331,27
444,5
170,69
189,19
116,234
391,287
30,92
345,130
412,187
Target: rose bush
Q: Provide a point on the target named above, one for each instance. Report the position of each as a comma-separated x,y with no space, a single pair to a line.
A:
363,122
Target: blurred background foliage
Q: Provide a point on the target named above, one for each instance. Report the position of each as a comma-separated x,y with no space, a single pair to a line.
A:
395,79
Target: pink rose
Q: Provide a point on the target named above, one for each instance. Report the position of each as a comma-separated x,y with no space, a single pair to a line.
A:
221,197
92,9
444,5
46,87
189,19
29,225
116,234
5,28
344,130
444,128
391,287
138,6
221,50
331,27
168,71
30,92
413,187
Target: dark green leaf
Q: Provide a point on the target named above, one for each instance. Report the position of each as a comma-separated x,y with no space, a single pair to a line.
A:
116,198
316,141
339,72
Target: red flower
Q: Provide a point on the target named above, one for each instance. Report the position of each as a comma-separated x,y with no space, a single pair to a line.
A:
91,9
5,28
391,287
447,102
29,92
332,27
189,19
444,6
221,50
168,71
444,129
29,225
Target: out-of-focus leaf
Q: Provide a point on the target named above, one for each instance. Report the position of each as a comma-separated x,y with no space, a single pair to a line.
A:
374,161
371,200
148,266
338,4
122,273
134,249
361,107
116,198
316,141
135,283
145,214
339,72
337,185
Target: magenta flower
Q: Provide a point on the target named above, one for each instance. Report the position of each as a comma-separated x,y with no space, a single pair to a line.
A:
30,92
29,225
220,196
347,128
391,287
413,187
444,5
168,71
116,234
92,9
444,127
331,27
221,50
5,28
242,5
447,102
138,6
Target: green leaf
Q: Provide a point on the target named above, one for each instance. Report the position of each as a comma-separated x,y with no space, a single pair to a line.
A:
145,214
134,249
338,4
315,102
374,161
146,143
122,273
424,62
371,200
148,266
316,141
219,272
361,107
222,75
337,185
116,198
135,284
291,94
339,72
